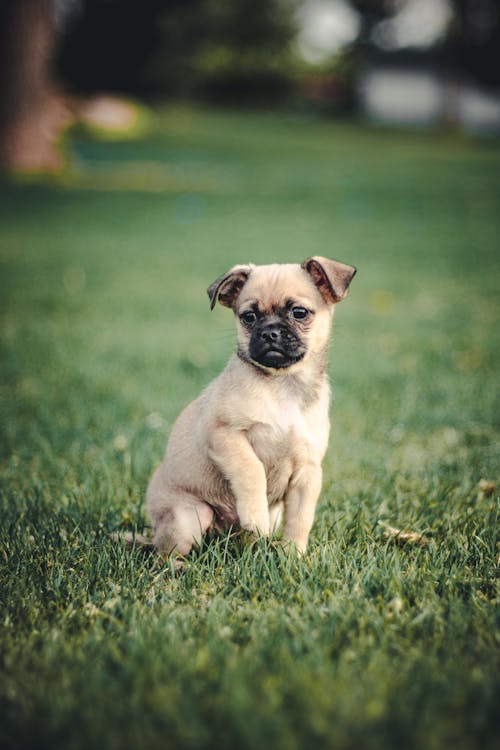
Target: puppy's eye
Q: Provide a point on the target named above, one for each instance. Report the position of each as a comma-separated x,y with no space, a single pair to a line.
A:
248,317
300,313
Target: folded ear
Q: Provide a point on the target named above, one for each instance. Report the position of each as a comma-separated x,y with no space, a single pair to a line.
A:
226,288
331,277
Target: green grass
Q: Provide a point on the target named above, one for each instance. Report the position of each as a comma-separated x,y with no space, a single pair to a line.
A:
106,334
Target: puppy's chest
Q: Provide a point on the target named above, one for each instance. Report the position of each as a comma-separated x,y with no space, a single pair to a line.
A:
283,440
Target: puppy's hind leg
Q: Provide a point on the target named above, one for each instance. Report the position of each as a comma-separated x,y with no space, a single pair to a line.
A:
181,525
179,521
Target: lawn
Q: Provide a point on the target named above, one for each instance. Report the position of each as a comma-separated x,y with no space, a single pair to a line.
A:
371,640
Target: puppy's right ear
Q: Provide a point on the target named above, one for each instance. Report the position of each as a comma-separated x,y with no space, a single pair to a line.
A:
226,288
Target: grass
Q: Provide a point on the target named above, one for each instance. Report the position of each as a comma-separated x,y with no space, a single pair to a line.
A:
367,642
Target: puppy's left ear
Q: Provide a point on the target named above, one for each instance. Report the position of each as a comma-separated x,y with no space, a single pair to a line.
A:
227,287
331,277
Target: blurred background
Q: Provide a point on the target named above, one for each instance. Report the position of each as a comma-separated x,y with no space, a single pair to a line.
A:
147,147
413,62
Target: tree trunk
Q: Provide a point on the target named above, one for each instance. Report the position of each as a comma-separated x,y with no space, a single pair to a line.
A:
32,112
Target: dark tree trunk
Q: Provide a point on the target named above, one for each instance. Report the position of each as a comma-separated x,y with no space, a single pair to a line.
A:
32,113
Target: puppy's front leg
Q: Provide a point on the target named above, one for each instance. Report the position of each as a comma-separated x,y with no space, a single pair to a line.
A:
300,504
231,452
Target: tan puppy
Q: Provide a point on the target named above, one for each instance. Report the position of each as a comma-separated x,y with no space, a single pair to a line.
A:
254,440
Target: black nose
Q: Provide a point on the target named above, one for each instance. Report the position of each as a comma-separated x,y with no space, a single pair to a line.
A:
271,335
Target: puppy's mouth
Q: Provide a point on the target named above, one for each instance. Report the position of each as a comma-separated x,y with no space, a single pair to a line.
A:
277,358
276,354
273,346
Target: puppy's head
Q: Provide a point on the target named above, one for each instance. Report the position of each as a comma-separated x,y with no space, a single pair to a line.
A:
283,311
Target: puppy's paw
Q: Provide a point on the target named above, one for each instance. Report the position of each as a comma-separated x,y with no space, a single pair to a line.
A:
290,547
256,525
248,538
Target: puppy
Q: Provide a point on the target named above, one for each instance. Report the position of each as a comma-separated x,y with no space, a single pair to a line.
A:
252,443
